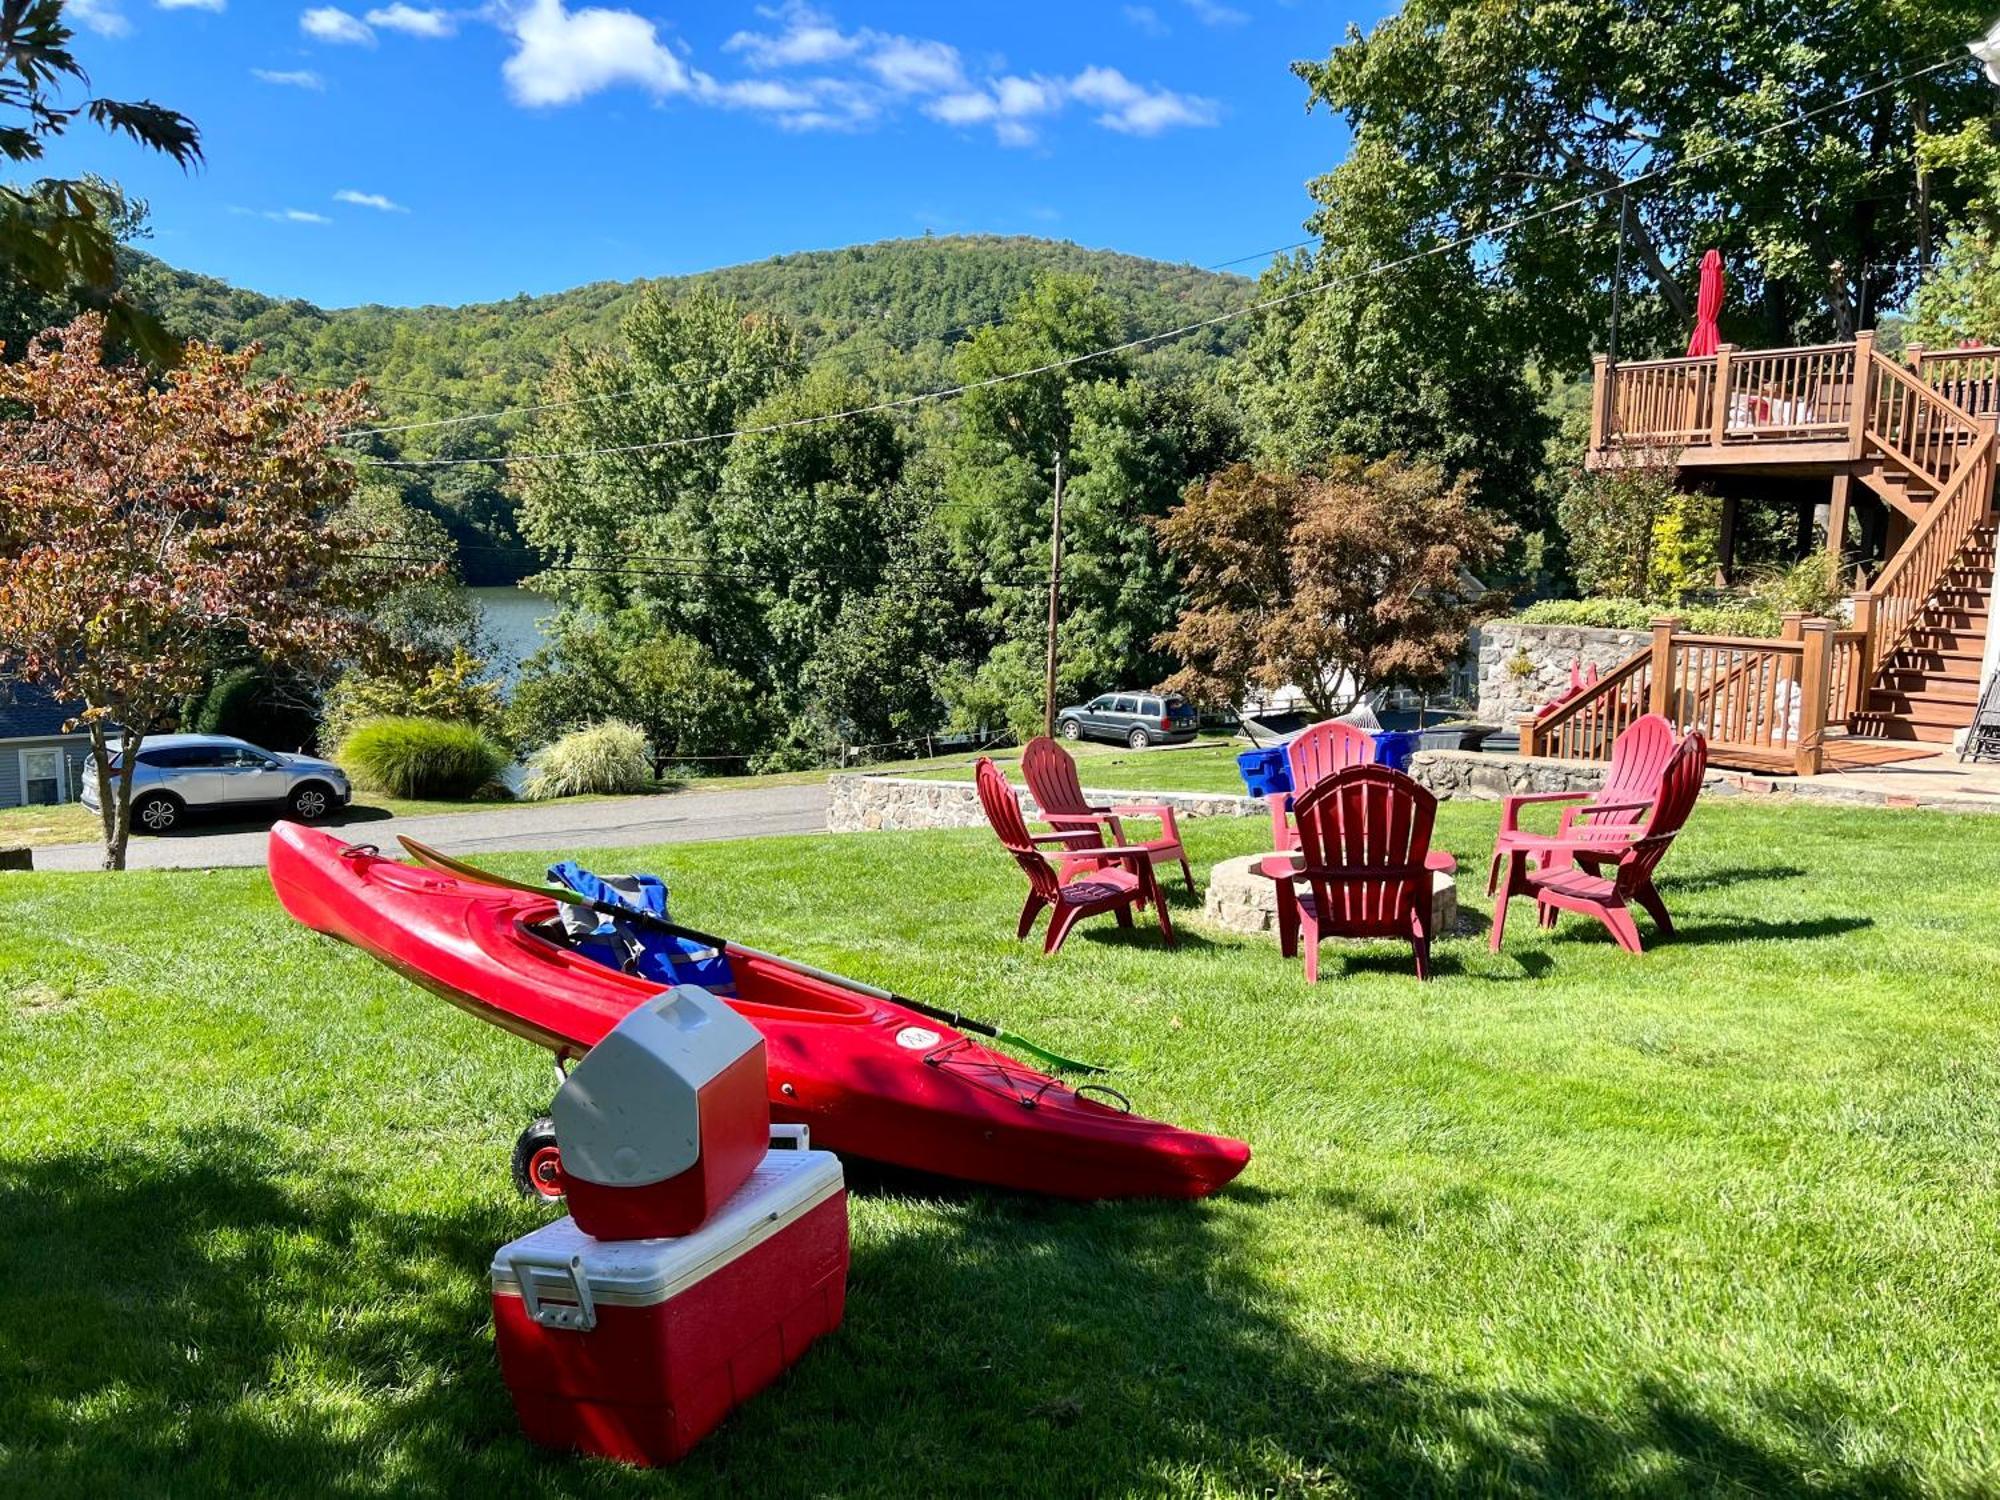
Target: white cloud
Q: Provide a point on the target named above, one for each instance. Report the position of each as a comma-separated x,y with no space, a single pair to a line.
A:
833,79
216,6
1146,19
101,16
297,78
283,215
809,37
377,201
915,67
413,20
329,23
1132,109
1214,13
566,55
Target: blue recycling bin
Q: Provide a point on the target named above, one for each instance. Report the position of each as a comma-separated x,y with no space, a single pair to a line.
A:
1394,747
1264,771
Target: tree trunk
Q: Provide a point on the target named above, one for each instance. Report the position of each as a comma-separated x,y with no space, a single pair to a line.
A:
114,791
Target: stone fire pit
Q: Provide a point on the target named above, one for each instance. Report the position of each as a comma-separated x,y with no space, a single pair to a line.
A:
1241,900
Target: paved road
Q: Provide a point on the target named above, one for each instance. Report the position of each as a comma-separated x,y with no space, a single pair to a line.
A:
679,818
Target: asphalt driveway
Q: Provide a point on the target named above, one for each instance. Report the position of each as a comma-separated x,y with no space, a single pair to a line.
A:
674,818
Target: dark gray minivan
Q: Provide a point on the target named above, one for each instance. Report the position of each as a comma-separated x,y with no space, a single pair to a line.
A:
1135,719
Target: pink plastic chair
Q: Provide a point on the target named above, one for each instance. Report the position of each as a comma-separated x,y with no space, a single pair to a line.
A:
1051,777
1568,874
1125,881
1365,835
1639,758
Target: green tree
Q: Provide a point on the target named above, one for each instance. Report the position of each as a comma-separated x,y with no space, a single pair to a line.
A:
59,235
1491,110
627,668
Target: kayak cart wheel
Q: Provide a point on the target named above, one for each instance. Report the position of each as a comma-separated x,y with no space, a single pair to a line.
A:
537,1162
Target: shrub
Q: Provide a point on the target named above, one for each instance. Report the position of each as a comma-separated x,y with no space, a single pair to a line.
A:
1816,584
1748,617
456,689
404,757
605,758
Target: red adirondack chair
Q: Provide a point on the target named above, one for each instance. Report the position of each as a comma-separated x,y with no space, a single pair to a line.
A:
1639,758
1316,754
1601,874
1365,835
1052,778
1125,879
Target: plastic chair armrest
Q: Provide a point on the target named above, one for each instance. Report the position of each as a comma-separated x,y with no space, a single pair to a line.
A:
1510,809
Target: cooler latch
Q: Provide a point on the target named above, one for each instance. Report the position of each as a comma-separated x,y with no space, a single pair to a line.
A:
578,1315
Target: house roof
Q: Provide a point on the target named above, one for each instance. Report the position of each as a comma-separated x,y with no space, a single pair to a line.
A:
26,712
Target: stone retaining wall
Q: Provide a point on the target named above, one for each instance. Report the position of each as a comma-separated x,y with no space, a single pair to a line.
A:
858,802
1521,667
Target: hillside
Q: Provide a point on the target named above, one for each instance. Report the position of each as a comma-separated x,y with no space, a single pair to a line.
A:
890,311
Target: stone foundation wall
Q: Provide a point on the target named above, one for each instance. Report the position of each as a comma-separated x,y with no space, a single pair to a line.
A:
1506,691
857,802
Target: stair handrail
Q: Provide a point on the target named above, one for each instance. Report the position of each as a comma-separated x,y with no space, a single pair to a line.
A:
1951,427
1555,726
1888,608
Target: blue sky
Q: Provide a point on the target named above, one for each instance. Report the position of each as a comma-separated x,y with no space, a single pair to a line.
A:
408,153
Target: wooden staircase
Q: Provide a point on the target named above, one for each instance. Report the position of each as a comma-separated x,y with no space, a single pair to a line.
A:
1927,687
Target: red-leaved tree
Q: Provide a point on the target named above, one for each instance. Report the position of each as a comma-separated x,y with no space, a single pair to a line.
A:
1335,583
149,526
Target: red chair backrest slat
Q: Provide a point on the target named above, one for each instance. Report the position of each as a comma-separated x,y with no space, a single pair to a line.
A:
1680,789
1367,818
1003,811
1323,749
1051,777
1639,758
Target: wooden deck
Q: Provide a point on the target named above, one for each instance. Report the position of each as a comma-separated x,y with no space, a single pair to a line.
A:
1839,753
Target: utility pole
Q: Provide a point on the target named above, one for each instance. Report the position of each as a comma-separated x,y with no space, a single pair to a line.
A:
1055,595
1618,275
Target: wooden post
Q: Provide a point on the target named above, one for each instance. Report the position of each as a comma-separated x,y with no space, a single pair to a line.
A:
1864,654
1719,418
1602,372
1790,625
1913,354
1531,739
1857,416
1663,664
1809,753
1055,596
1836,517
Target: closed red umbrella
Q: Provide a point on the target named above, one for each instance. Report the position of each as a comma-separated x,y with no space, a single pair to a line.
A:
1707,337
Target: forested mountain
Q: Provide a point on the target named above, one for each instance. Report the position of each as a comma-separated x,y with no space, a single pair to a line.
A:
888,313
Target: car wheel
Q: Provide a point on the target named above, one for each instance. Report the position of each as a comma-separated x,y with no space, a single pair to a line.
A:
156,812
538,1162
1138,739
1071,730
311,801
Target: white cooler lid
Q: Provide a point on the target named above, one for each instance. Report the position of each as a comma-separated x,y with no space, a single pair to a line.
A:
783,1188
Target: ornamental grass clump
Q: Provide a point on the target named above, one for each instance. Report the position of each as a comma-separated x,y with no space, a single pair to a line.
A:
606,758
410,757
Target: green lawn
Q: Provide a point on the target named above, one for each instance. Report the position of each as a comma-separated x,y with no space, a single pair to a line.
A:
1721,1219
1206,766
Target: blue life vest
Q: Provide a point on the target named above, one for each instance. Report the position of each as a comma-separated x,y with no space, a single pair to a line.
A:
632,947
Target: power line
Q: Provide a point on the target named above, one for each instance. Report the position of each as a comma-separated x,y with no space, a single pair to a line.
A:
1199,325
908,342
1506,226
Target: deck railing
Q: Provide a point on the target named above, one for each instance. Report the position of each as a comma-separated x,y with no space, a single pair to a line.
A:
1968,378
1761,704
1915,425
1889,607
1772,395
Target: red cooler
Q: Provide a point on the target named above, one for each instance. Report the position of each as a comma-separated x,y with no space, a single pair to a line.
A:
635,1349
663,1119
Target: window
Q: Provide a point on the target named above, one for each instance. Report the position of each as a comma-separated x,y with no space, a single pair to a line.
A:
1101,703
1125,704
1150,708
44,777
245,756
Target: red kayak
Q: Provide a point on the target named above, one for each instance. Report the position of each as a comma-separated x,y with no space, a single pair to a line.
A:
870,1078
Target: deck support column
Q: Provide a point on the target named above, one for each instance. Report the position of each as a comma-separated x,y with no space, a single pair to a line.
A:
1725,543
1601,404
1719,416
1857,412
1836,517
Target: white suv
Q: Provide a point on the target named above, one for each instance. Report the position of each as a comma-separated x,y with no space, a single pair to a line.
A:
178,774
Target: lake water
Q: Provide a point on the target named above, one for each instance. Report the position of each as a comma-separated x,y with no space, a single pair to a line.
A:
512,619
